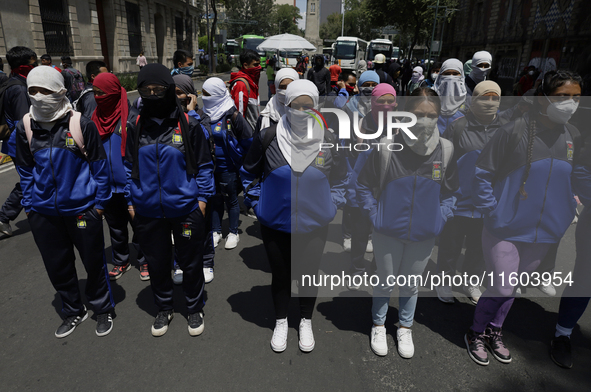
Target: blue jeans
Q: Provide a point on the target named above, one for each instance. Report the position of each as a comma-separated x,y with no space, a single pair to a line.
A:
227,191
396,257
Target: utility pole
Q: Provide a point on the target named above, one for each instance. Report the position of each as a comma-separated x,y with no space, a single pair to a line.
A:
208,36
432,35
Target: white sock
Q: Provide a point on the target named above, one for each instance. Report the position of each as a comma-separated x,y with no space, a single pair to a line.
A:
562,331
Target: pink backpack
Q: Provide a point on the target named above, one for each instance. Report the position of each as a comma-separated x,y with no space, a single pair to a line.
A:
74,127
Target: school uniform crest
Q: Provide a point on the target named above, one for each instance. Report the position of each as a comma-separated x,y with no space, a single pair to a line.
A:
81,222
218,127
569,150
70,140
186,231
320,159
177,137
436,171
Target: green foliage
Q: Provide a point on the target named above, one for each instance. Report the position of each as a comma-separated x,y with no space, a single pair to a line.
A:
248,10
203,42
128,81
357,22
285,19
203,68
222,68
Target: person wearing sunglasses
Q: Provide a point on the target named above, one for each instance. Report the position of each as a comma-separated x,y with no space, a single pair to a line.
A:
169,180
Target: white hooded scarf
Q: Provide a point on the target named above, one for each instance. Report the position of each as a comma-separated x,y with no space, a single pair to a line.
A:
451,89
219,100
276,106
52,107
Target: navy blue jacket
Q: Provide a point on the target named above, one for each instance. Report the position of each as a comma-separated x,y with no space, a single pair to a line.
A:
164,189
232,141
417,198
550,206
297,202
466,151
16,105
86,104
112,145
55,177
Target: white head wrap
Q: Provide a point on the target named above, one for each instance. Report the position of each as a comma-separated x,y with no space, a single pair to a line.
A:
297,146
479,74
219,101
276,106
451,89
48,108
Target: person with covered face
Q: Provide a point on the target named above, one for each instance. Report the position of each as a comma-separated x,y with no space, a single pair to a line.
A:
232,136
169,180
451,88
319,75
65,180
417,79
523,188
481,67
469,135
301,188
276,106
408,196
111,116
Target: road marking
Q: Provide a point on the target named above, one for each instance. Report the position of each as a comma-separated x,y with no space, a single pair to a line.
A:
10,166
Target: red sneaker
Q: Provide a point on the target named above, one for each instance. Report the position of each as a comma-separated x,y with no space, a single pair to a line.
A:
118,271
144,274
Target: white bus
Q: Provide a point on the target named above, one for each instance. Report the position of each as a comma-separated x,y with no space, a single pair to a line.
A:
348,51
288,59
379,46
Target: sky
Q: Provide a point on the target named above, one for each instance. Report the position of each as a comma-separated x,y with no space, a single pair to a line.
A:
301,4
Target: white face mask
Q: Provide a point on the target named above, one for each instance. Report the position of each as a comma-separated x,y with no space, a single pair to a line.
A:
298,120
281,96
48,108
484,109
560,112
530,73
479,74
427,135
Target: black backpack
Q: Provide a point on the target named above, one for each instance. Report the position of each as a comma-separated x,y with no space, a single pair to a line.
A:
5,130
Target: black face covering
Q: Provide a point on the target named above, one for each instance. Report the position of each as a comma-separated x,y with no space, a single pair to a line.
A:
161,107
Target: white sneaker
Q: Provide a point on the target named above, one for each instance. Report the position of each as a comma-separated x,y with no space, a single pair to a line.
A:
445,294
208,274
279,339
306,336
406,348
216,239
547,288
232,241
369,247
379,345
473,293
347,244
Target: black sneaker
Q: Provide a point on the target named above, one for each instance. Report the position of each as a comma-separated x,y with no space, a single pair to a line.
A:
104,324
475,345
493,338
160,325
560,352
70,324
196,324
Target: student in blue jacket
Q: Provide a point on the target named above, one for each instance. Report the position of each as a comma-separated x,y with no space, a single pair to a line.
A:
185,92
301,189
65,191
451,88
413,202
169,179
469,135
525,193
111,116
232,136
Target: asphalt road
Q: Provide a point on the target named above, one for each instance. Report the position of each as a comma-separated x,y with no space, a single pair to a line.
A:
233,354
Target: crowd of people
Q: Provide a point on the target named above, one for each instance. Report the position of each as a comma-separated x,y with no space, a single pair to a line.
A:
501,183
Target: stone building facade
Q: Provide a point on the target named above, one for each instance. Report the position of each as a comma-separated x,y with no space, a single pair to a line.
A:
114,31
519,33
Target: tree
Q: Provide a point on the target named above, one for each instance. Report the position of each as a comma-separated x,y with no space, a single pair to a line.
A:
240,12
357,22
286,18
411,17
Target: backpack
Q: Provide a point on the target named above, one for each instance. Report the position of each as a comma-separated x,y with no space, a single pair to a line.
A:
447,152
231,84
5,130
517,133
77,101
77,86
74,128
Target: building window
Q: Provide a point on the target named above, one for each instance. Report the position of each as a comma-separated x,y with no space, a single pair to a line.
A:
178,24
134,30
56,27
312,8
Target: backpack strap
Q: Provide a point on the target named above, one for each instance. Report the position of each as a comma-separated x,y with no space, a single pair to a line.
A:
243,80
447,152
76,131
27,124
267,139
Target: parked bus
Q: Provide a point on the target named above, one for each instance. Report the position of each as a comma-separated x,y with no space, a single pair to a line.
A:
379,46
232,50
288,59
251,42
327,51
348,51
